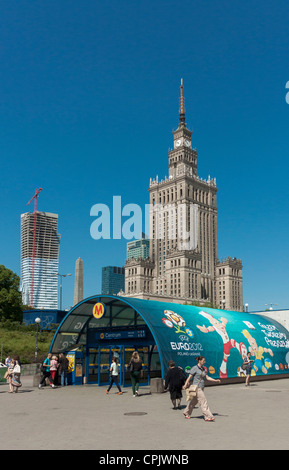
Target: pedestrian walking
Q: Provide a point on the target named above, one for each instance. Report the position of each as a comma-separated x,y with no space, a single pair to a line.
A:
114,370
53,369
46,372
247,366
15,372
199,374
63,369
175,380
136,372
8,361
9,373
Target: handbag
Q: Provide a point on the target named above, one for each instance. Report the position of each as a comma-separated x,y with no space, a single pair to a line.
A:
17,369
191,392
15,382
246,364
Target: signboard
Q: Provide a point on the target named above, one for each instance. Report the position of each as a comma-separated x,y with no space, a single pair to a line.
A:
117,335
78,370
98,310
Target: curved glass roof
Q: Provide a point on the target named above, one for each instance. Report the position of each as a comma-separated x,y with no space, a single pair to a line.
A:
183,332
72,330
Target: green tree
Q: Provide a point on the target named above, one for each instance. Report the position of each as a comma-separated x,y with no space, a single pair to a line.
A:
10,298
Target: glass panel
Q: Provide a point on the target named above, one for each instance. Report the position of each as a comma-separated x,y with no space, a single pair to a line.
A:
140,320
93,365
103,322
122,315
64,342
78,317
155,366
104,364
74,323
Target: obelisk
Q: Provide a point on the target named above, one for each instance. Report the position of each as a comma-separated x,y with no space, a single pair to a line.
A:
78,282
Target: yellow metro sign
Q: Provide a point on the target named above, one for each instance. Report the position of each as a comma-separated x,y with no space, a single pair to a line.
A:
98,310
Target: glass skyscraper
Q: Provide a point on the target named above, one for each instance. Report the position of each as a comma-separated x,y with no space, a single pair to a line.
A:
138,249
112,280
39,280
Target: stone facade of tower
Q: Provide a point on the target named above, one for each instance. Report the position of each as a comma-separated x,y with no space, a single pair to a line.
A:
183,265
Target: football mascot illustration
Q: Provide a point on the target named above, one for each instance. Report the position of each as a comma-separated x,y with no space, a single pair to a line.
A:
258,352
219,326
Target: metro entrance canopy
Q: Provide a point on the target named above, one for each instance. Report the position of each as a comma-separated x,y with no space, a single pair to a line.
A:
173,332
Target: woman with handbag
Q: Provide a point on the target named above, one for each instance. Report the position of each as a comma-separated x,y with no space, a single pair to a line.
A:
15,382
247,366
135,368
8,374
199,375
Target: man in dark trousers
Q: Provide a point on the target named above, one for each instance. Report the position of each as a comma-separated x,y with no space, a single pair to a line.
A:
63,369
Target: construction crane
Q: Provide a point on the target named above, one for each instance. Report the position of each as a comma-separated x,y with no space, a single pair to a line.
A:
37,191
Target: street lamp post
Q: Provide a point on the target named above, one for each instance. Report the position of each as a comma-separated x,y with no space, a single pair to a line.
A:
60,287
37,321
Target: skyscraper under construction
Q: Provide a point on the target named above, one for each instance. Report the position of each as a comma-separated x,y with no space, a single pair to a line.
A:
39,259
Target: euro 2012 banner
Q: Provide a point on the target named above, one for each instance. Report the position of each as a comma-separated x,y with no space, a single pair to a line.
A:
224,338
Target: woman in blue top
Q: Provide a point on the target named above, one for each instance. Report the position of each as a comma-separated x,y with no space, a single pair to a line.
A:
199,375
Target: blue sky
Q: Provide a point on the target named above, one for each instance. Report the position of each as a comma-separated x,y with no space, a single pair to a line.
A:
89,96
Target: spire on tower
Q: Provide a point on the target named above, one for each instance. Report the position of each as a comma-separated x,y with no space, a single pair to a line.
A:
182,105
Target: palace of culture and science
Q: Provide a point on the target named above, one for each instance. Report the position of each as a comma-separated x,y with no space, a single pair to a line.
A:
183,264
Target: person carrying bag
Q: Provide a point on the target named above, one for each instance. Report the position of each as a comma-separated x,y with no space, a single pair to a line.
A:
247,366
136,372
15,382
191,392
199,374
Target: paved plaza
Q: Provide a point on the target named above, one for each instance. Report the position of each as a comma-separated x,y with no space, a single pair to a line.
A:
84,417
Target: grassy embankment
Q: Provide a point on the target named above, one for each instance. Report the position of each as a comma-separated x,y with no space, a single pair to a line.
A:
18,339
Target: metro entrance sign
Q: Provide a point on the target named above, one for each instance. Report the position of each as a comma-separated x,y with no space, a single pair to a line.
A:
98,310
124,334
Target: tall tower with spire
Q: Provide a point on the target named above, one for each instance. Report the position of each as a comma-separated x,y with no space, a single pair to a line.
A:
183,265
182,155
